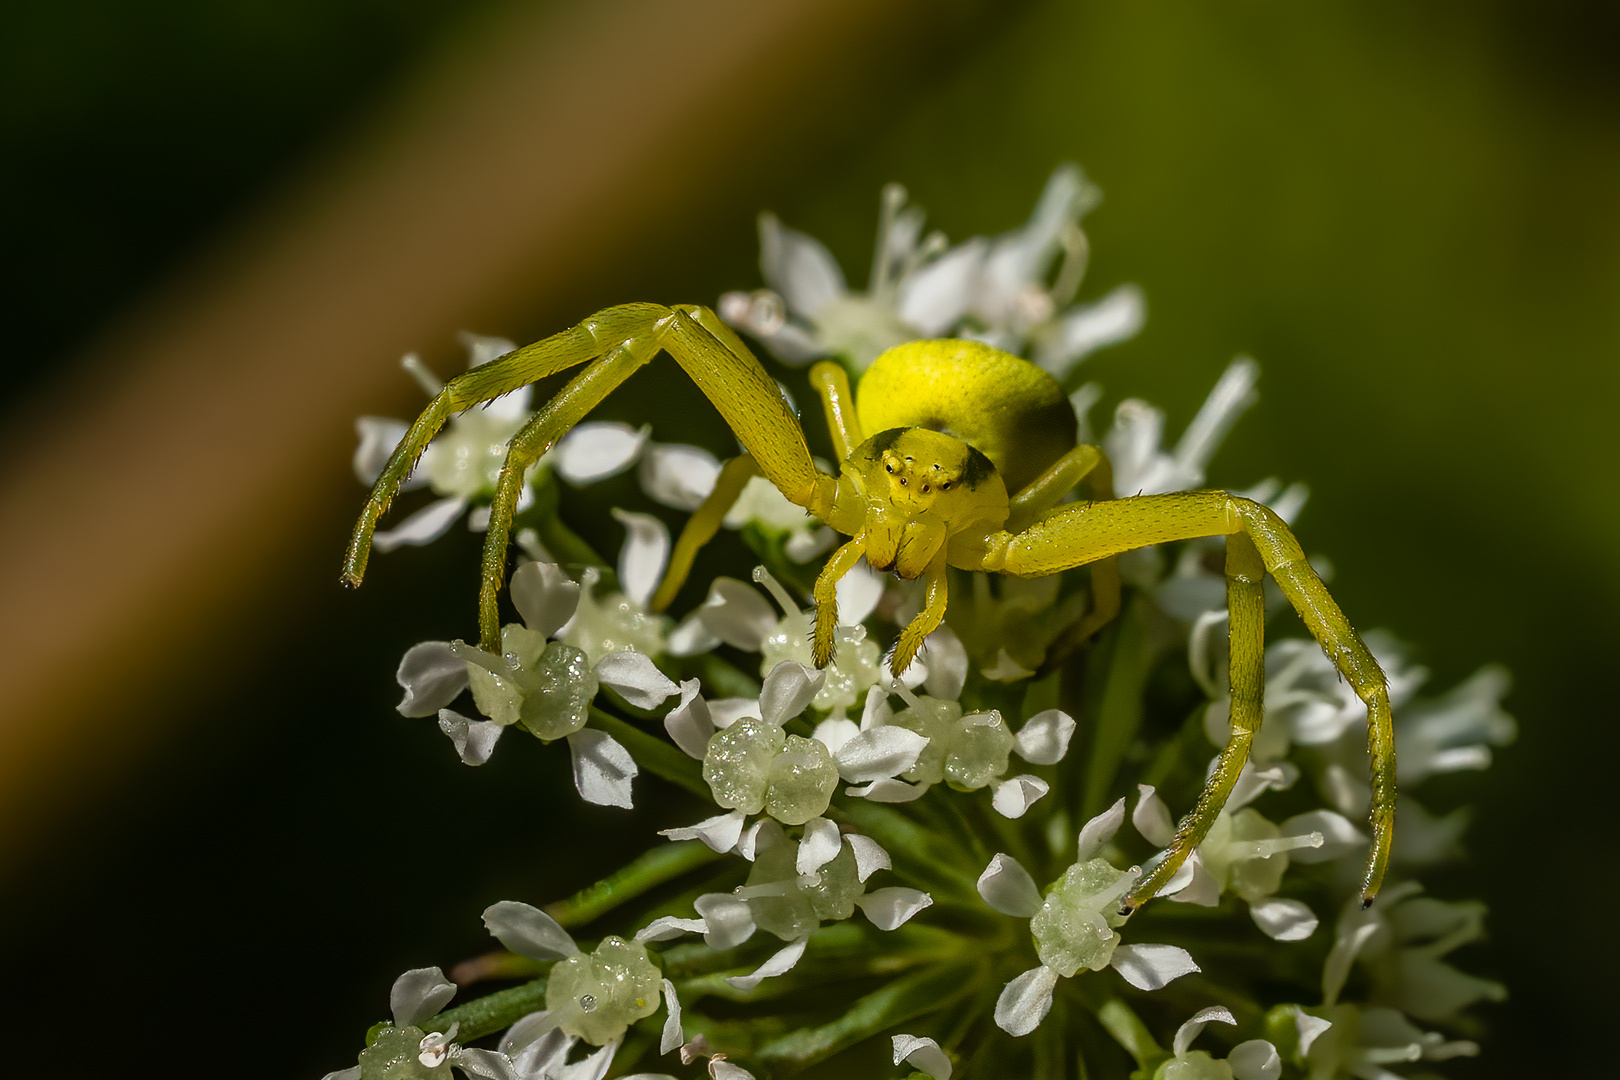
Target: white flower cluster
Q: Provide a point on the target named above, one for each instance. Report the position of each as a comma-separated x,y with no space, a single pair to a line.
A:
798,762
1013,291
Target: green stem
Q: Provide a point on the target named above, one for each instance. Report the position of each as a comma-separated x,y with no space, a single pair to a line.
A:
658,757
898,1001
490,1014
1119,711
1128,1030
649,870
721,677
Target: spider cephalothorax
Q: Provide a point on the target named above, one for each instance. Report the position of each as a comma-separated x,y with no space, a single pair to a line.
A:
919,488
973,457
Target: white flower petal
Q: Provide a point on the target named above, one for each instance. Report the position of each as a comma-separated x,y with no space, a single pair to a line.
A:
689,723
720,1069
378,437
719,833
875,712
351,1073
780,963
1187,1032
805,544
1193,884
728,710
644,555
673,1036
1006,669
1231,396
536,1045
635,678
1151,967
1283,919
820,845
1007,887
690,638
869,855
891,907
528,931
1255,1059
594,1067
888,791
1025,1001
787,690
662,929
431,676
1044,738
726,918
923,1055
737,614
523,1034
947,664
834,733
934,298
749,840
1099,831
858,593
1082,330
545,596
677,475
1151,817
799,267
422,527
474,739
597,450
1339,837
1012,798
1254,781
483,1064
419,995
879,753
602,768
1309,1028
1347,942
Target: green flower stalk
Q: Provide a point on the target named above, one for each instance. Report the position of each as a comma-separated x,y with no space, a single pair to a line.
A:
969,860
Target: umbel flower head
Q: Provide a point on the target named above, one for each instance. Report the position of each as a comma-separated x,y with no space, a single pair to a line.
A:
934,865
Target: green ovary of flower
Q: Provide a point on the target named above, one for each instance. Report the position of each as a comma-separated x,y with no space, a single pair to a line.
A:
1071,930
396,1056
1228,856
800,782
1194,1065
562,704
931,718
789,905
466,459
600,994
497,698
611,624
976,749
737,764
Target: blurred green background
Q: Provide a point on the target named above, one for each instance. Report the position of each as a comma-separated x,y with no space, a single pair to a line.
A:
1407,213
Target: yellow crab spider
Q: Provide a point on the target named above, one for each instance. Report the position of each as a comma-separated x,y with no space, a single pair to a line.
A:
953,454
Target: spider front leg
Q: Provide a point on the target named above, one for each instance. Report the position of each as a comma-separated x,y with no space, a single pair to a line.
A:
721,366
1086,533
585,341
1090,466
832,384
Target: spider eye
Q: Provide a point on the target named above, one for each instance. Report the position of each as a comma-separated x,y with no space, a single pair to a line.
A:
888,468
946,486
